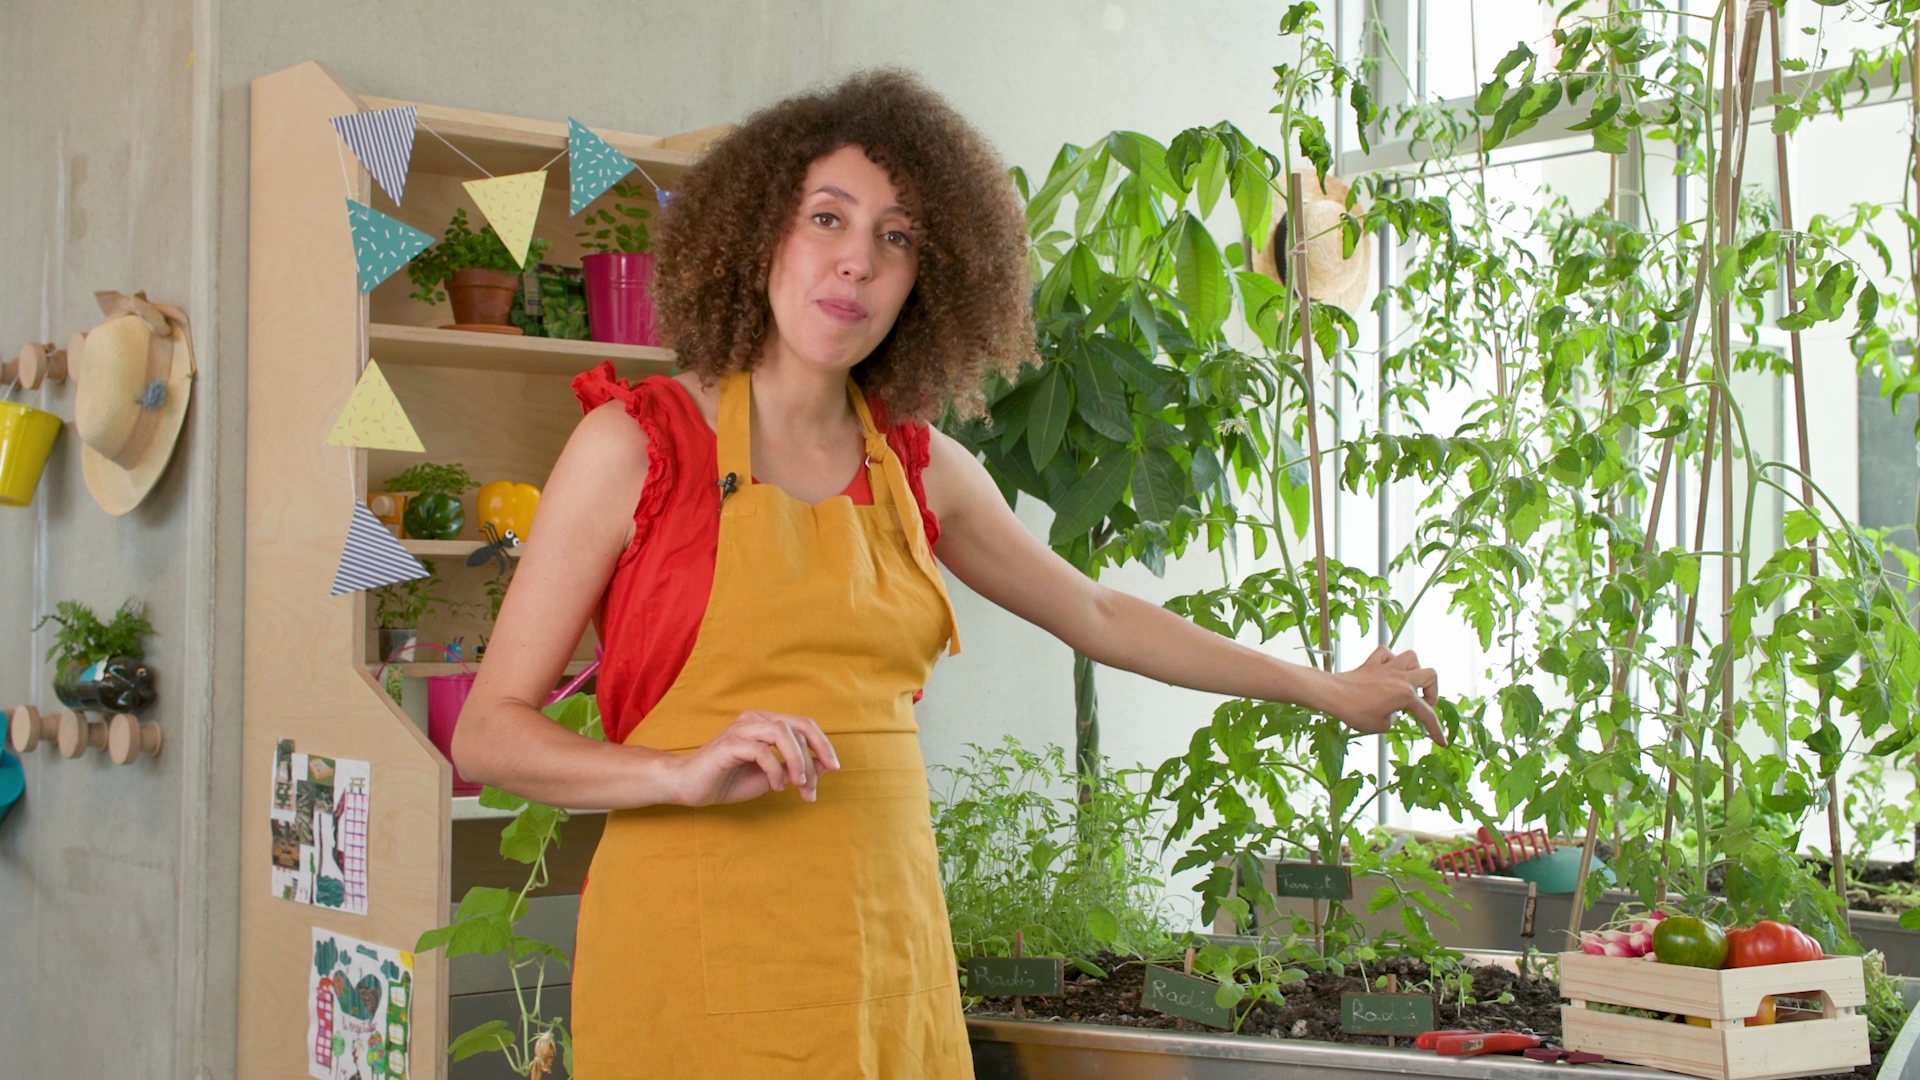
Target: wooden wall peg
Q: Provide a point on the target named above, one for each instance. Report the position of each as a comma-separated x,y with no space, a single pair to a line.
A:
29,729
80,732
39,362
128,738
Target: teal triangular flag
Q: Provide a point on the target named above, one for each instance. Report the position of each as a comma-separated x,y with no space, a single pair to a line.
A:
593,166
382,244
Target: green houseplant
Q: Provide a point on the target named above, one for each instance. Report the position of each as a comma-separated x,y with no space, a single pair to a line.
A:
473,270
100,664
399,609
435,511
487,923
619,270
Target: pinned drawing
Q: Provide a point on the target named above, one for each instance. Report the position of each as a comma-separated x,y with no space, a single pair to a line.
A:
321,811
359,1009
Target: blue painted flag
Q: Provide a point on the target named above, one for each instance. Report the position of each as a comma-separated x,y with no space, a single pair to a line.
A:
593,166
382,244
372,557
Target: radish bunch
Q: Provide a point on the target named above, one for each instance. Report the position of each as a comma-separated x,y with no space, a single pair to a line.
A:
1633,940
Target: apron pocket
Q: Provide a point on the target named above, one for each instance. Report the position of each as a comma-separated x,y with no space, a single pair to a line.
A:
827,903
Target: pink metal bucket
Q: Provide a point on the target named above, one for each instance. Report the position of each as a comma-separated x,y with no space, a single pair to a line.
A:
446,696
619,289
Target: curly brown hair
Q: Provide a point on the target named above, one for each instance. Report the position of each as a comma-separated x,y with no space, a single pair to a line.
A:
970,314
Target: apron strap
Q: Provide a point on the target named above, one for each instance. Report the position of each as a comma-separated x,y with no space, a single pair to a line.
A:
894,487
735,436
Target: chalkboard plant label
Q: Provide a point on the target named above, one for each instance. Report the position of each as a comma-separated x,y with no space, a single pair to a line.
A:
1312,881
1185,996
1005,976
1386,1014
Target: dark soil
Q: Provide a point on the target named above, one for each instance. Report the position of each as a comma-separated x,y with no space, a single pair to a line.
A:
1313,1007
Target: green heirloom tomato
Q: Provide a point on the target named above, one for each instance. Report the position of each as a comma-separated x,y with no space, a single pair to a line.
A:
434,517
1690,942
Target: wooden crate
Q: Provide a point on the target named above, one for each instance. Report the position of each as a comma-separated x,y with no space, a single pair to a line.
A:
1832,1041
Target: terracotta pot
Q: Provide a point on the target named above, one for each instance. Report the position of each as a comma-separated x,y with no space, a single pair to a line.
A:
482,296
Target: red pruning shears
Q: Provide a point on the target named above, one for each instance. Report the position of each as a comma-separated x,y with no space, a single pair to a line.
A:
1459,1043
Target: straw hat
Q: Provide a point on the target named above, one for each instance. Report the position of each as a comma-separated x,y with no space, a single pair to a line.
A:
133,375
1331,277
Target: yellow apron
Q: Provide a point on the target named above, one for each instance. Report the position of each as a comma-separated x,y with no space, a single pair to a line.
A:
777,938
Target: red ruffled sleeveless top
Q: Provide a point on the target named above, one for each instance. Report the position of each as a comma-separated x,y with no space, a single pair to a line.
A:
655,602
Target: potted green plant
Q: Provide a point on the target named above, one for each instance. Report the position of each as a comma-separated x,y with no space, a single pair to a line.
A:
475,272
434,511
619,273
551,303
399,610
100,665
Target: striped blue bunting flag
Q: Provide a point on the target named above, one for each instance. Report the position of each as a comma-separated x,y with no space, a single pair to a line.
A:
382,244
383,141
372,557
593,166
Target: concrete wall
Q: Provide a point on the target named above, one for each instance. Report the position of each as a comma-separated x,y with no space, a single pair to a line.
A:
116,884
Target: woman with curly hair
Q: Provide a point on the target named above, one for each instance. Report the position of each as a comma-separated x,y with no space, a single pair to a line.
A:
755,539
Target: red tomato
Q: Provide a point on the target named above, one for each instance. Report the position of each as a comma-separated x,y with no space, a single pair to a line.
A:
1769,942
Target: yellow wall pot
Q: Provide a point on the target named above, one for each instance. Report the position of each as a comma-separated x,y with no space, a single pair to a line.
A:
508,506
26,438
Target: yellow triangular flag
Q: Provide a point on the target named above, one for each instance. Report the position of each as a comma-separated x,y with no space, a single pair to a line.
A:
373,418
511,204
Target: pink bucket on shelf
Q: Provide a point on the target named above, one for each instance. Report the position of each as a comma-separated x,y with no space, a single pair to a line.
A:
619,287
446,696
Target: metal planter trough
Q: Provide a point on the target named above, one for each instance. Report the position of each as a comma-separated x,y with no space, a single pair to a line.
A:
1489,910
1038,1050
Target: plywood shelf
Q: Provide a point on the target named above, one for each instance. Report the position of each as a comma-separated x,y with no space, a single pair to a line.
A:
440,549
468,808
427,671
427,346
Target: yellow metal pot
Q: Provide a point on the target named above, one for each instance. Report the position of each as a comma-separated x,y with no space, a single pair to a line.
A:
26,438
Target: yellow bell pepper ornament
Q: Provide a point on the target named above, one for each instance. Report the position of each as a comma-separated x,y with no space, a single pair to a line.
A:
509,508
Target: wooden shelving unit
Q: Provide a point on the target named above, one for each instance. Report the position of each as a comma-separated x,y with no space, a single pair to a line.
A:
501,406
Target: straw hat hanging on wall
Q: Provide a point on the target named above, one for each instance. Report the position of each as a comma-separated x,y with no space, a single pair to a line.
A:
1332,277
133,375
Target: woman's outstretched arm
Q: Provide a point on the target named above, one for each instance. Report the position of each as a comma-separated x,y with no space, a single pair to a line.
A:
987,547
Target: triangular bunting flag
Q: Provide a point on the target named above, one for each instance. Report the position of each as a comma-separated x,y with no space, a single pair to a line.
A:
382,244
373,418
593,166
383,141
511,204
372,557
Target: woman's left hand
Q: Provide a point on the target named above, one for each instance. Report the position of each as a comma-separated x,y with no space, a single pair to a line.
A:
1366,698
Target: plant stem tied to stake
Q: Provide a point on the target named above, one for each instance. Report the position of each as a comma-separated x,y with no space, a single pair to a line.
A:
1299,256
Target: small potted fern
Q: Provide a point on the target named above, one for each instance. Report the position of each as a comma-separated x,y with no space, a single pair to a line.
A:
100,665
473,271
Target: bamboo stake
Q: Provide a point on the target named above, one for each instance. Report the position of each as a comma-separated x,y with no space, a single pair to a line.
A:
1299,254
1837,852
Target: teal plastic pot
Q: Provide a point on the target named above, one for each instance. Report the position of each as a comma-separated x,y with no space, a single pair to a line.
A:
13,782
1558,871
